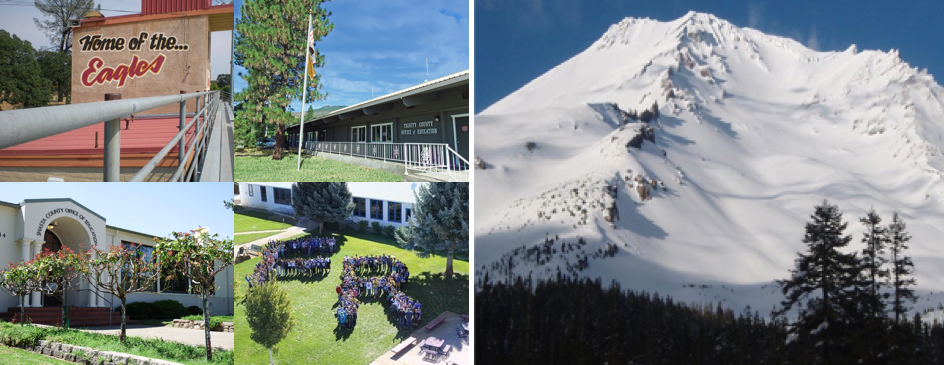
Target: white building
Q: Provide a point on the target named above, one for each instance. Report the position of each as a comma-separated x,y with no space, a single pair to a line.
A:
388,203
36,224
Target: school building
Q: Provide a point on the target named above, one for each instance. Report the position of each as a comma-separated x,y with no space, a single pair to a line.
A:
163,50
389,203
425,127
29,227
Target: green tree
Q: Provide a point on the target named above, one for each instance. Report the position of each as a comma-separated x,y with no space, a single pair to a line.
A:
823,277
121,271
19,279
322,202
440,222
201,256
61,11
21,80
55,273
873,256
269,313
902,268
57,68
270,44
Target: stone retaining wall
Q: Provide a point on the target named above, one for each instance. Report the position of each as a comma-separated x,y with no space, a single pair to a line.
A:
90,356
198,325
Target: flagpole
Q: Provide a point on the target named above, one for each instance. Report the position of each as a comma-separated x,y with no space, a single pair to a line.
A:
301,132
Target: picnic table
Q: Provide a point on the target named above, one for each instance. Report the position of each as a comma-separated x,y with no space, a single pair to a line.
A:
434,343
432,348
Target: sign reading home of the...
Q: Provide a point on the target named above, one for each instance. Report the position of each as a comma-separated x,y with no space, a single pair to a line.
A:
97,73
427,127
80,216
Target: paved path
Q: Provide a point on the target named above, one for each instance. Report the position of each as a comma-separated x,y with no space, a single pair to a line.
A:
461,353
288,232
219,340
266,231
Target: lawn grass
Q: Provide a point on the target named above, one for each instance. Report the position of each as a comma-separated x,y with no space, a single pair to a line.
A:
246,238
316,338
261,167
251,220
13,355
153,348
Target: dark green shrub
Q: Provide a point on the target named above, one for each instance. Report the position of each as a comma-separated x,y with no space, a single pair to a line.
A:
362,225
389,231
376,226
139,310
170,309
18,335
195,310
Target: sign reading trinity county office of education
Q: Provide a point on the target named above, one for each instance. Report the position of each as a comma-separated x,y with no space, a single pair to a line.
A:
98,73
80,216
427,127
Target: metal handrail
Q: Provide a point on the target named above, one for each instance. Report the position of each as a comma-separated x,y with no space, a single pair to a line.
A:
27,125
434,158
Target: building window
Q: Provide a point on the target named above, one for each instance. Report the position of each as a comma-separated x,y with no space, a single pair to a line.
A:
393,212
376,209
282,196
262,190
381,133
250,189
409,213
145,253
360,207
359,134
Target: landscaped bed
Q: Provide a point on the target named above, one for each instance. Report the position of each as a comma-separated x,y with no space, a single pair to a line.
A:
27,336
316,337
261,167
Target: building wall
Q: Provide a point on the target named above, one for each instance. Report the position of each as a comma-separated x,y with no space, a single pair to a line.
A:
255,201
407,127
169,69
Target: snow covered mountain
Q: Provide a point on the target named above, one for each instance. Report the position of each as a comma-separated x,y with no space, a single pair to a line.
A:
754,131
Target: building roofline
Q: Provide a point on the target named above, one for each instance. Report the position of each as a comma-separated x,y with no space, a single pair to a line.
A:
130,18
131,231
458,78
62,200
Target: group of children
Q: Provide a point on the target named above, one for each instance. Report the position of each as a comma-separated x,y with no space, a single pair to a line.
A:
308,246
299,266
389,277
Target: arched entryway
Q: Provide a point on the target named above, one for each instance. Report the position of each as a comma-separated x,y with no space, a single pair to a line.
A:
65,231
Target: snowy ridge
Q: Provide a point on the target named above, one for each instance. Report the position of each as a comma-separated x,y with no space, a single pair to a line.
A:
754,131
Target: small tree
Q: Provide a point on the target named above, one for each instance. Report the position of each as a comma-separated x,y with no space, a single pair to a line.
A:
200,256
269,313
873,256
322,202
54,273
902,268
121,271
18,279
440,222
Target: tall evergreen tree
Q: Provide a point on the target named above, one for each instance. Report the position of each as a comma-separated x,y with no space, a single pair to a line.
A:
21,80
440,222
873,261
270,43
822,279
902,268
322,202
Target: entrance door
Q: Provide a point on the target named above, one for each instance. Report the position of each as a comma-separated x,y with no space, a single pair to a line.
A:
460,131
52,244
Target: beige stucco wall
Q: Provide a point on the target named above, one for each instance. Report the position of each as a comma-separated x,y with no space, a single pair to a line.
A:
182,69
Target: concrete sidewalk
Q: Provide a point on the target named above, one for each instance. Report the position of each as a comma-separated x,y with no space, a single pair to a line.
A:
219,340
288,232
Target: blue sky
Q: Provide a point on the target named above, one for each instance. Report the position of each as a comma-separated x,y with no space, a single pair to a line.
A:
152,208
384,43
517,41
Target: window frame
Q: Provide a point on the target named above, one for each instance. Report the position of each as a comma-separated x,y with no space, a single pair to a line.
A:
354,133
380,209
282,196
390,135
262,194
360,208
394,215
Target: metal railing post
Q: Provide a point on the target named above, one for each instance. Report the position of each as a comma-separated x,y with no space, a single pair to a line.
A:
183,122
111,161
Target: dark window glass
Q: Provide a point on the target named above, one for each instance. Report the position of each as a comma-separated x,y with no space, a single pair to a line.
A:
282,196
376,209
393,212
360,207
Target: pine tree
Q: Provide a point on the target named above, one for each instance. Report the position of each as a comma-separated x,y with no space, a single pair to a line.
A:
902,268
322,202
875,241
61,11
270,43
822,279
440,222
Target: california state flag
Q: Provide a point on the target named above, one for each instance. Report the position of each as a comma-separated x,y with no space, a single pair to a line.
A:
311,52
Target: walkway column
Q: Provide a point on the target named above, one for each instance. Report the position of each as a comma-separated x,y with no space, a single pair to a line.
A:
36,295
25,249
92,298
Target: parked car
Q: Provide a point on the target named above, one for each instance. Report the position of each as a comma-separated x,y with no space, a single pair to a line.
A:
266,143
